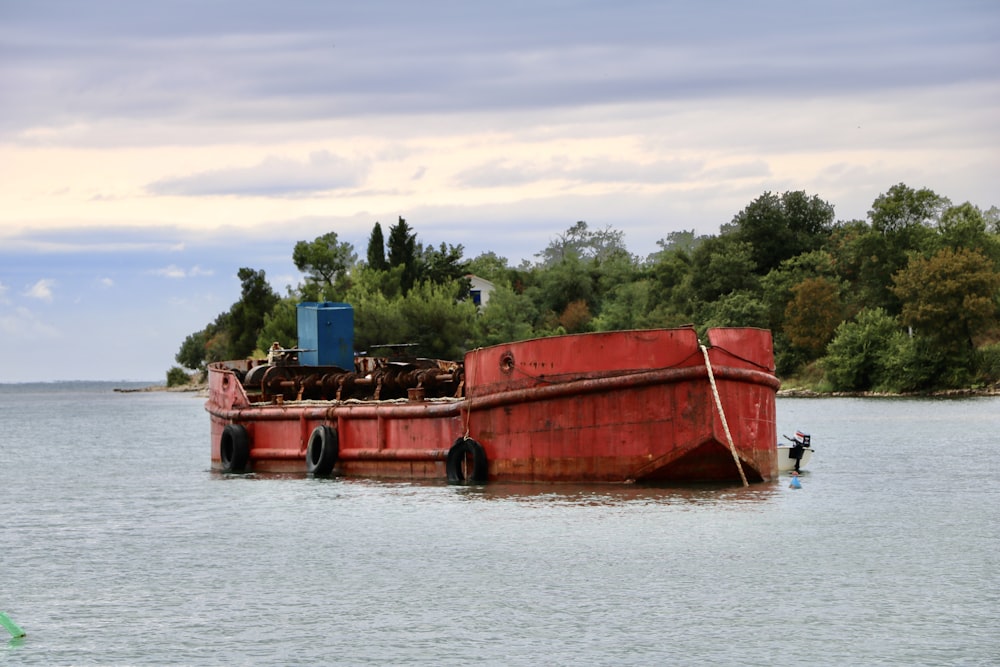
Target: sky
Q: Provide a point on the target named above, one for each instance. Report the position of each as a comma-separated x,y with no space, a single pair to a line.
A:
148,150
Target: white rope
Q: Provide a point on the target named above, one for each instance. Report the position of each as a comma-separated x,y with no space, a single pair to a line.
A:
722,416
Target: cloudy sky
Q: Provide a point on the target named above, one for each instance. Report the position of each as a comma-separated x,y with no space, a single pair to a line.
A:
150,149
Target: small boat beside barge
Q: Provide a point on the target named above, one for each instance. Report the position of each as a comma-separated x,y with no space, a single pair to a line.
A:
796,455
650,406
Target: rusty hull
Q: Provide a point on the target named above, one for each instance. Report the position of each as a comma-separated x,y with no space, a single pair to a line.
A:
604,407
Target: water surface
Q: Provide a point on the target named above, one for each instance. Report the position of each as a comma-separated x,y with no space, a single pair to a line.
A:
118,546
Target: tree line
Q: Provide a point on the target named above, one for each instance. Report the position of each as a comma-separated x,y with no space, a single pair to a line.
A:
903,301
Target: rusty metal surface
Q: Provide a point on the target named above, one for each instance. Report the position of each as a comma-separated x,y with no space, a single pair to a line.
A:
610,407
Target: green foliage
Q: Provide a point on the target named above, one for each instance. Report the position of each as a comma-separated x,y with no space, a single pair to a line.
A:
777,228
192,352
233,334
246,317
903,210
376,249
377,318
915,363
325,261
561,284
917,282
403,253
966,226
507,317
490,266
987,363
442,265
855,359
580,242
439,324
629,305
812,315
177,377
776,288
280,325
739,308
672,293
721,265
950,296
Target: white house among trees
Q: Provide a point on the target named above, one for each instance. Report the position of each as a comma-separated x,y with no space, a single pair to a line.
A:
480,290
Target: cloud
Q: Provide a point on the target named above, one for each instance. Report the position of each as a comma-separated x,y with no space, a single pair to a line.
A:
106,282
42,290
273,177
174,271
3,294
256,63
505,173
22,324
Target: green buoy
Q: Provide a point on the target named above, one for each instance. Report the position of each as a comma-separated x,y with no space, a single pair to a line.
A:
11,626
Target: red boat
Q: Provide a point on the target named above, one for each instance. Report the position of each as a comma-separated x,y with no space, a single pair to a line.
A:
624,406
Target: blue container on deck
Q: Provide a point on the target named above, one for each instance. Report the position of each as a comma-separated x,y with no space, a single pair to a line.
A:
326,332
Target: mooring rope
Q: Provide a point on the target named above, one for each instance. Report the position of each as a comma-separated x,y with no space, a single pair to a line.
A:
468,380
722,416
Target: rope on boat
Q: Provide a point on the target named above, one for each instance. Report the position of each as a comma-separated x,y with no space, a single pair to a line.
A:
468,381
722,416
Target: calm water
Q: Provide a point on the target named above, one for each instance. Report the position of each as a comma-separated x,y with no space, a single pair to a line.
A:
119,547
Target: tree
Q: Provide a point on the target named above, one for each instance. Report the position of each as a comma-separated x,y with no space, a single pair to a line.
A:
965,226
376,249
192,352
581,242
281,325
443,264
683,240
562,283
780,227
673,294
856,357
490,266
950,296
628,305
739,308
576,317
813,314
324,260
720,265
507,317
246,317
903,210
233,334
438,322
403,253
776,287
177,377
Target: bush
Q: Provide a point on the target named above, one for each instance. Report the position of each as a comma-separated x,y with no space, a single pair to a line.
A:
856,357
988,363
177,377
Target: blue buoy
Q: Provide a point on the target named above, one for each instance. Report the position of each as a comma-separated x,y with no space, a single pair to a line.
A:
796,484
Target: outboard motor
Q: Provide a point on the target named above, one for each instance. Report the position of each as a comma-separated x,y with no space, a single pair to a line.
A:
800,443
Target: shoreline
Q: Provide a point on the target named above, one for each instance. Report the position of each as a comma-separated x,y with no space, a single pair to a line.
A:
202,388
198,387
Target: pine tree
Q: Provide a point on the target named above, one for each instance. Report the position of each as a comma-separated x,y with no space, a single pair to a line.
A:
376,249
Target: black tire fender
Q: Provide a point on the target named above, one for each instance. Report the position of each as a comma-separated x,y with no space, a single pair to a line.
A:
462,453
234,448
322,451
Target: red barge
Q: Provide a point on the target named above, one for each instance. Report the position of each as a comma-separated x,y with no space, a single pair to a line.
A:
650,406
